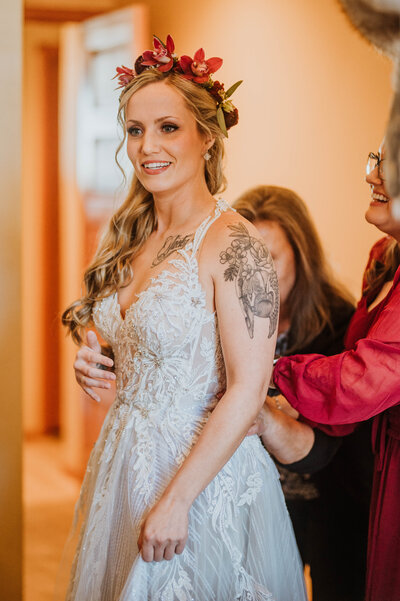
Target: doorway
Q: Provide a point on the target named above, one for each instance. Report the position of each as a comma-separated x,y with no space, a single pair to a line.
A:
70,188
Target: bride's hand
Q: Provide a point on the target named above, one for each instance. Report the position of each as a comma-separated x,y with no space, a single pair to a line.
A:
164,531
86,366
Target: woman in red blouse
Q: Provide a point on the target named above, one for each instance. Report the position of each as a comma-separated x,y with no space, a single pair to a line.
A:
360,383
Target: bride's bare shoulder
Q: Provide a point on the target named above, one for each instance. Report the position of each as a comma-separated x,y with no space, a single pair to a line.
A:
228,226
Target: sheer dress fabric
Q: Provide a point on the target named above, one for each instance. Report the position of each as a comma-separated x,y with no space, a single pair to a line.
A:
169,367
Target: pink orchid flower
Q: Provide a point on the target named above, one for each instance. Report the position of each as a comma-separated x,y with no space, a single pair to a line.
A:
198,69
162,55
125,76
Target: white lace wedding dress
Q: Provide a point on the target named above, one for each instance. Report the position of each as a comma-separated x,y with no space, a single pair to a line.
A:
169,367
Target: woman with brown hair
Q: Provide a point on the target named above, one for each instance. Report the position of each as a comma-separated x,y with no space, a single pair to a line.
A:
177,503
311,299
328,500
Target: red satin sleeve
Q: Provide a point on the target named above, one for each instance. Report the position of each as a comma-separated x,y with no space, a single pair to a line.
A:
354,385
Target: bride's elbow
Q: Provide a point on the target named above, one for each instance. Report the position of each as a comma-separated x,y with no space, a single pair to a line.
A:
252,393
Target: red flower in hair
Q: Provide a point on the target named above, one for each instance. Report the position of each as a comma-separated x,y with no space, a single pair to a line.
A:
217,91
198,69
125,76
162,55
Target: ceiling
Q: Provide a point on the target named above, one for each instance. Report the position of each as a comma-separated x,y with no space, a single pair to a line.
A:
68,10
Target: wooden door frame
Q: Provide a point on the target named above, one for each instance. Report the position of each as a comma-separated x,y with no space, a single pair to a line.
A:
10,301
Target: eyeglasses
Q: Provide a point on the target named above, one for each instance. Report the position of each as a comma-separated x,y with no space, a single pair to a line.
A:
375,161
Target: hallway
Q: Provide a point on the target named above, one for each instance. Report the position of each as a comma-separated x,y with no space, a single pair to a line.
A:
49,499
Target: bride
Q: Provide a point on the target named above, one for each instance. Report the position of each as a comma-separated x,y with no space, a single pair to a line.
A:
177,503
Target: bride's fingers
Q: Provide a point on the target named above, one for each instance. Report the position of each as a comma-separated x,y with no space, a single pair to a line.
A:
159,552
147,551
180,546
169,551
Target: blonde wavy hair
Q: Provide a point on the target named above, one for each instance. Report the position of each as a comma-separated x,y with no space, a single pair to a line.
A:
135,220
315,293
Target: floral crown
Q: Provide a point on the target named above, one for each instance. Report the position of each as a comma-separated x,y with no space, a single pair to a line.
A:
197,69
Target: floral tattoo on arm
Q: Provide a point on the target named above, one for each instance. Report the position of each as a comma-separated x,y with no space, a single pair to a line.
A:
250,266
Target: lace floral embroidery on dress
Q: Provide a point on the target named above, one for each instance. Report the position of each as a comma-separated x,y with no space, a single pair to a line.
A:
169,368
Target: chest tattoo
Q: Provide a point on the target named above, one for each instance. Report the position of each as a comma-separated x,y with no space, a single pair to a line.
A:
171,244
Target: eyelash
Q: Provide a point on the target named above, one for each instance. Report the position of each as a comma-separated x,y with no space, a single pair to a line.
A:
171,126
132,129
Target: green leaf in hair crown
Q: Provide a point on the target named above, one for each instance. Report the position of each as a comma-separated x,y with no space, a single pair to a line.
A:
233,89
198,69
221,121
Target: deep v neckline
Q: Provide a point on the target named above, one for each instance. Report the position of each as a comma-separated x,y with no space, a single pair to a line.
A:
153,280
130,307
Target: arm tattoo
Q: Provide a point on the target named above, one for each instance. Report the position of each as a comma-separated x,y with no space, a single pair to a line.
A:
250,266
172,244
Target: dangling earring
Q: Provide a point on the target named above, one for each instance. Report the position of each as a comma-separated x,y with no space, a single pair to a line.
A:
207,156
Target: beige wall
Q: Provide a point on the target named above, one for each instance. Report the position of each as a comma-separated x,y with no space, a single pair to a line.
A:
313,104
10,307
